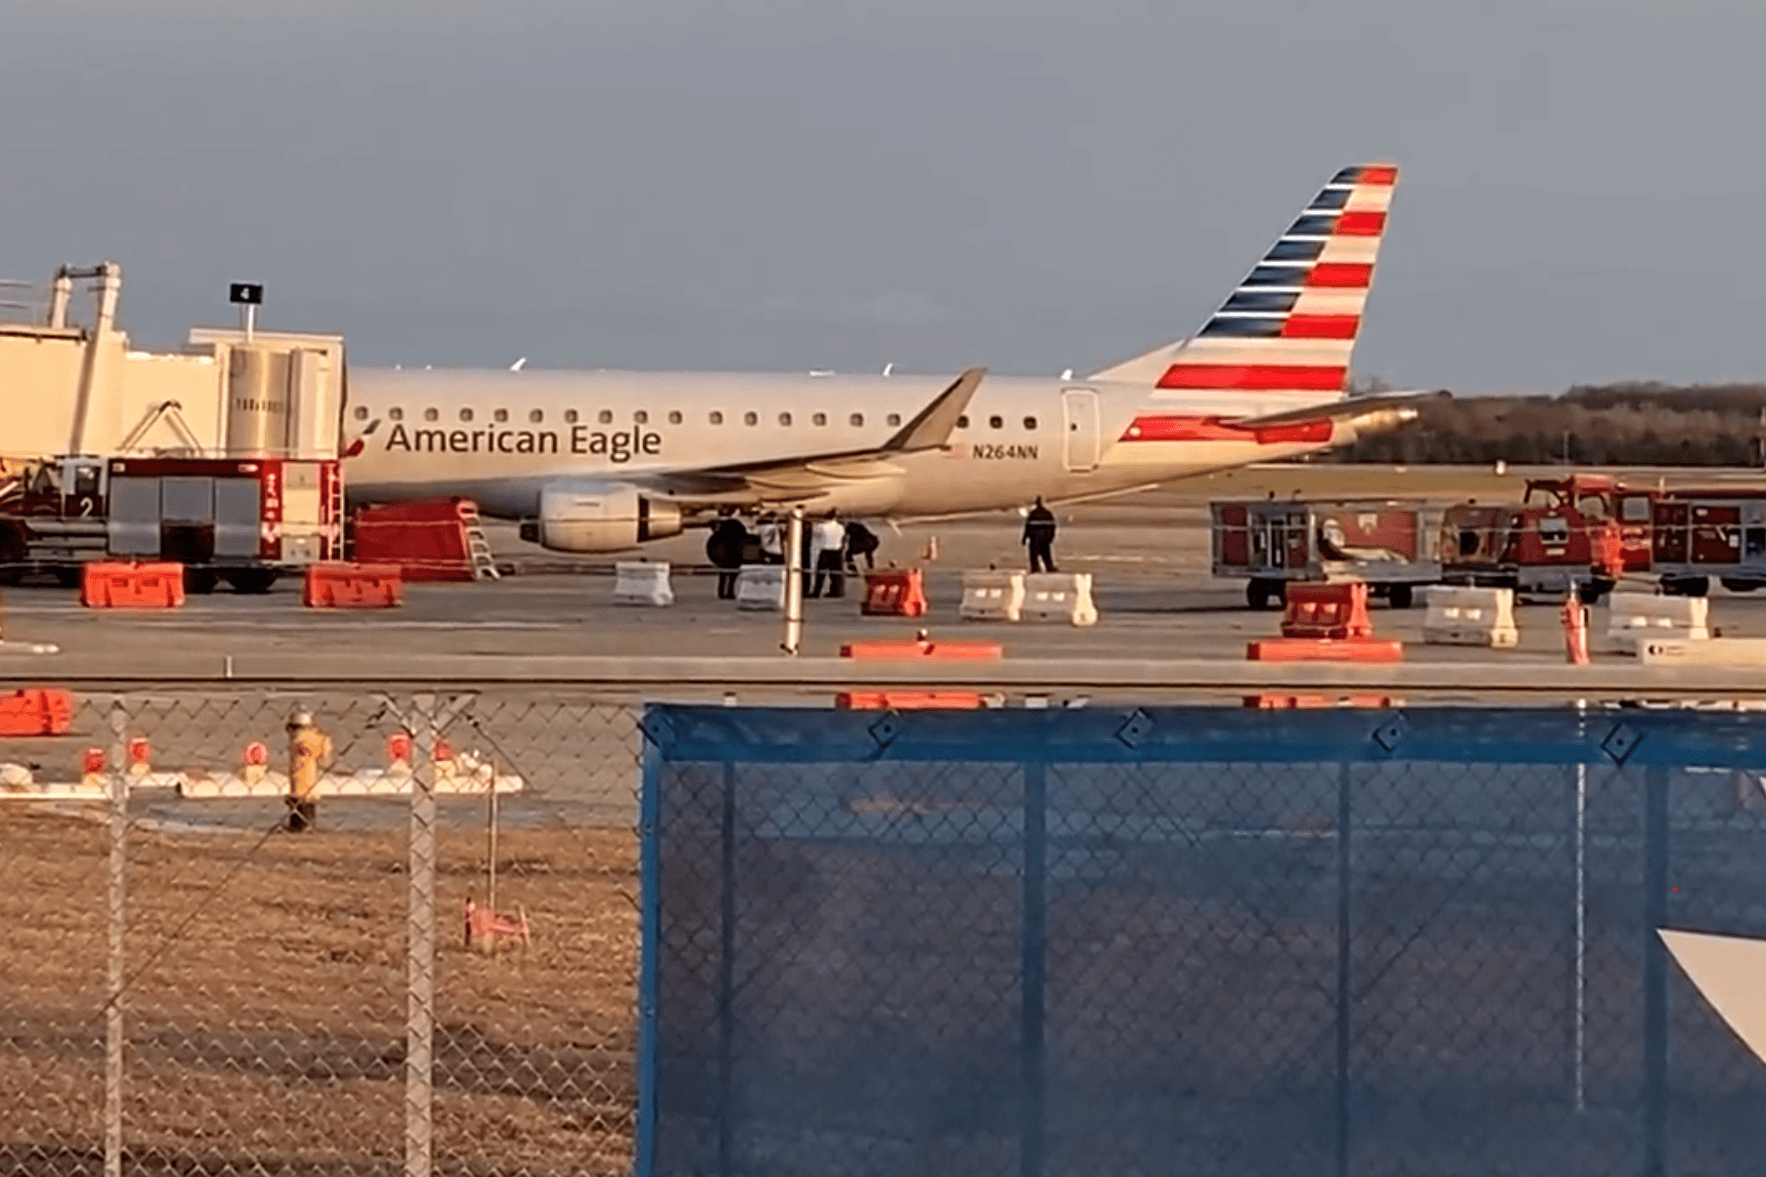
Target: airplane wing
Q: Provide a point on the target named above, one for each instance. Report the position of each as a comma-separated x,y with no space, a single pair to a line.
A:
807,476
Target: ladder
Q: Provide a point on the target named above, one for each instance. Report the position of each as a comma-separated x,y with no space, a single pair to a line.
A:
478,548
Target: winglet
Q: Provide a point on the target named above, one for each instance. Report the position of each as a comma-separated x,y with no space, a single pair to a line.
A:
932,427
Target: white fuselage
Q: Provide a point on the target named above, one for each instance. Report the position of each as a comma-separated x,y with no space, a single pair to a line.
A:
501,437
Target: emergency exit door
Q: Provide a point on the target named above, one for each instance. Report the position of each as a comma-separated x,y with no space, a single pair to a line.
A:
1079,407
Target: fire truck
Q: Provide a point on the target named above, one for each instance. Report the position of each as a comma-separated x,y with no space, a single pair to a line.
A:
246,521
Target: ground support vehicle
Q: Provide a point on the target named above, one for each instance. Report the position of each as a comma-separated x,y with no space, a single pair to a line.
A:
246,521
1270,543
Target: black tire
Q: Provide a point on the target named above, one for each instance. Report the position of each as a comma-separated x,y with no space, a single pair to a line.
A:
1692,586
1592,592
252,580
1259,593
1400,596
14,551
200,581
70,576
1736,585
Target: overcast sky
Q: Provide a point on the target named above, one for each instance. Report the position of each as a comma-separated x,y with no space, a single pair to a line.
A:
786,184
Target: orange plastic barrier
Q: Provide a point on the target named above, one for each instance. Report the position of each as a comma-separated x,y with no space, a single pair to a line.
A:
1323,650
37,711
1302,702
1336,611
896,592
917,649
923,649
908,701
105,585
353,586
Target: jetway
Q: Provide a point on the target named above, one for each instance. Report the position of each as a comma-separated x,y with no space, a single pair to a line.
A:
77,386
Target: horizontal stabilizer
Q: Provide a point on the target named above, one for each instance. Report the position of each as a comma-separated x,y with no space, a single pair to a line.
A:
1407,404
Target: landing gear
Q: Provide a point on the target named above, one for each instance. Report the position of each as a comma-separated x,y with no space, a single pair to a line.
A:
1259,593
252,580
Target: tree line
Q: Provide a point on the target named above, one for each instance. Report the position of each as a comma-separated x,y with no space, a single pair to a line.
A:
1630,424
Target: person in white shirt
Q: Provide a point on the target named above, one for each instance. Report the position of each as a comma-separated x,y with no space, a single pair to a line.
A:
829,549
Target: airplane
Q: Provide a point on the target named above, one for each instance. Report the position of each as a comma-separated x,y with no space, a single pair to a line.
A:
605,461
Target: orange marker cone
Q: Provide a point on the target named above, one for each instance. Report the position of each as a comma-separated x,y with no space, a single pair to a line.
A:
1575,617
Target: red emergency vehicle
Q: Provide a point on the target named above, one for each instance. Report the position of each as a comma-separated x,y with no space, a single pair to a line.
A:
243,520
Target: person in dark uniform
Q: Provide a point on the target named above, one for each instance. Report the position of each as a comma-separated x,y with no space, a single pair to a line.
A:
860,541
1039,535
723,547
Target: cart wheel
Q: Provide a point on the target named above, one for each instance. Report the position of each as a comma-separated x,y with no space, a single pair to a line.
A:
252,580
1400,596
1592,592
1259,593
199,580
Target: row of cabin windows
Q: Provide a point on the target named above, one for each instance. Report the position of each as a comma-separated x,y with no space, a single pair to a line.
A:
642,417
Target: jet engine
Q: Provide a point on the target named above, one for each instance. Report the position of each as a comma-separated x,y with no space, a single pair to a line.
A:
599,518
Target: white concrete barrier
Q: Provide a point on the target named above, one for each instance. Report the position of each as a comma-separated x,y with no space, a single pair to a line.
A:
761,586
476,780
1460,616
642,582
1680,651
1632,617
992,596
1063,597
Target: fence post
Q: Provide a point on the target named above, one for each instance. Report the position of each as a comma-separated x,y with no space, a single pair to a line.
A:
1655,972
649,949
420,947
115,960
726,977
1034,965
1581,960
1345,998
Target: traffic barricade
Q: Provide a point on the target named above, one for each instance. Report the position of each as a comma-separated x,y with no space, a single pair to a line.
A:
1062,597
894,592
1324,650
642,582
353,586
106,584
1635,616
37,711
1459,616
919,649
992,596
761,586
1336,611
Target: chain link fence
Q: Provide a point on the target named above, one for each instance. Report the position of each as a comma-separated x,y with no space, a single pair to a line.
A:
1017,941
1157,941
189,987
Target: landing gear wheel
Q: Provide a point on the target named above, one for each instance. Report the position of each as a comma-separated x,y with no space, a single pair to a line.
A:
252,580
1259,593
1400,596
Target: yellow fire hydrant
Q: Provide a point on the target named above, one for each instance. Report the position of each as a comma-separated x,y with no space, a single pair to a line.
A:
309,751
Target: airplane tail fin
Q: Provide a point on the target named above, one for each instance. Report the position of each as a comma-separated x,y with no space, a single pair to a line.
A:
1291,325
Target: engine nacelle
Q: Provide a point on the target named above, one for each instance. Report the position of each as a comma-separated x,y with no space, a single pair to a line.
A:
606,518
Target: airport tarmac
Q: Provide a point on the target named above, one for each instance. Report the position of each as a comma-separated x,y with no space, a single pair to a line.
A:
1148,555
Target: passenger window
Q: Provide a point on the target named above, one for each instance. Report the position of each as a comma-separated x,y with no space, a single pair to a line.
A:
361,412
640,417
431,415
465,414
784,418
674,417
717,418
963,421
570,416
858,419
1030,422
396,414
500,415
996,422
536,416
894,418
605,417
751,418
819,419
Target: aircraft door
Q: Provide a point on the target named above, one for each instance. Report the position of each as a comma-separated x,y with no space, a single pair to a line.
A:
1079,407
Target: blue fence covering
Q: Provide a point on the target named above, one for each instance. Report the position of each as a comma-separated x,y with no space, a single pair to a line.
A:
1195,941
